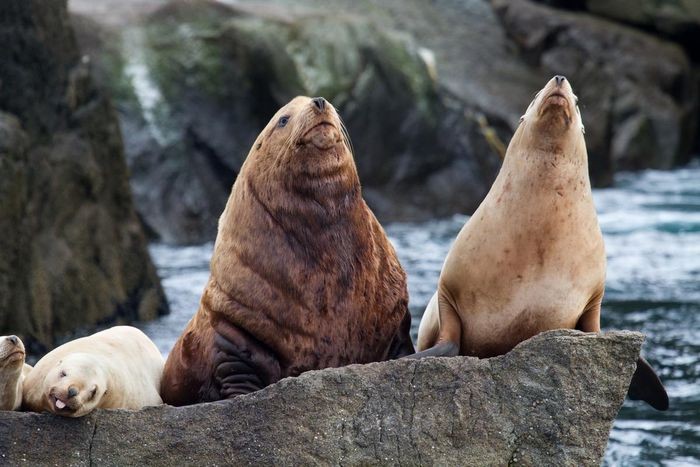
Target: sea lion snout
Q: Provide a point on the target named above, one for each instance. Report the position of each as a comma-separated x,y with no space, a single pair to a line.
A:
11,350
319,103
559,80
323,133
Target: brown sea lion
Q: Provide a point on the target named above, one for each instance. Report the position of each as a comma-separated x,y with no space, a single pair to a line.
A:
531,258
116,368
303,276
13,371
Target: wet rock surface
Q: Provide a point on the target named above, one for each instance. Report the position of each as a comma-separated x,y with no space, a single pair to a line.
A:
551,401
73,251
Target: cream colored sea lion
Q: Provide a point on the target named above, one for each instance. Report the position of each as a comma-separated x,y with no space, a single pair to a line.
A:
302,276
116,368
531,258
13,370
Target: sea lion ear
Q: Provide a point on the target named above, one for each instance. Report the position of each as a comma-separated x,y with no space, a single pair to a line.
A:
522,118
583,129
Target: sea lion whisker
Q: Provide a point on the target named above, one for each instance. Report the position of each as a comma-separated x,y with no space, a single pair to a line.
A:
346,136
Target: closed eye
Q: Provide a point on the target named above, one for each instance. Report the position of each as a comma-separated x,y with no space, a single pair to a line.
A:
93,393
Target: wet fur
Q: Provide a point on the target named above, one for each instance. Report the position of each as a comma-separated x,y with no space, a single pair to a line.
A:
303,276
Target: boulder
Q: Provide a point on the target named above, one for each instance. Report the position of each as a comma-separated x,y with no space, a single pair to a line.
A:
679,19
550,401
638,94
195,82
73,251
427,111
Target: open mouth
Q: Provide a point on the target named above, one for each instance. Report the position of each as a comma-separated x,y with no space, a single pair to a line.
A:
59,405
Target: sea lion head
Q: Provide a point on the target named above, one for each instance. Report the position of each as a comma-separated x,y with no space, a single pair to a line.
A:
553,115
306,146
75,386
11,353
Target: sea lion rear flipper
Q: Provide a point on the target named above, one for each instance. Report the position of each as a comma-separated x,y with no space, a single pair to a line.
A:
402,345
647,386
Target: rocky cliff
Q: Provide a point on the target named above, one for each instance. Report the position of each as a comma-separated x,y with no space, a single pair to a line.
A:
430,91
550,401
72,251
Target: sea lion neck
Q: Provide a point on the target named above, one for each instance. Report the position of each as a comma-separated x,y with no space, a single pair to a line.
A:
9,387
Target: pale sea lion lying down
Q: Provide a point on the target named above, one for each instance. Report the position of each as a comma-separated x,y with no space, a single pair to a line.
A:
531,258
13,371
116,368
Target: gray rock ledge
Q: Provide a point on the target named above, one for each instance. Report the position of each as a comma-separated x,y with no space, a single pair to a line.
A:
551,401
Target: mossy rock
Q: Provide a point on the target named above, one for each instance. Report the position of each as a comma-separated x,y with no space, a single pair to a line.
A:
206,78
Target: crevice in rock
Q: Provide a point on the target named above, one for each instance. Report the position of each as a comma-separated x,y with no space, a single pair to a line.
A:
92,438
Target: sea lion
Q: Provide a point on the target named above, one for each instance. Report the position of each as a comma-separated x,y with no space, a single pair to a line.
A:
303,276
116,368
13,370
531,258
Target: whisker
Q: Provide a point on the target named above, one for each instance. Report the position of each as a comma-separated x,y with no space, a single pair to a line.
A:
346,136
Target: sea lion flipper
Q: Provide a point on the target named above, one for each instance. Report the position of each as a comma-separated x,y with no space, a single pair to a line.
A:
241,364
402,345
442,349
647,386
449,330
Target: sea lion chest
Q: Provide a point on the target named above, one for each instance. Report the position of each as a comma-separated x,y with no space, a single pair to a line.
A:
527,261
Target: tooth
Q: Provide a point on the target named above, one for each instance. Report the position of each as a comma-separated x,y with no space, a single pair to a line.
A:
60,404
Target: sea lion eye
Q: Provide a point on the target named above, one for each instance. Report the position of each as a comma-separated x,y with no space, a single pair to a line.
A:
93,392
62,374
283,121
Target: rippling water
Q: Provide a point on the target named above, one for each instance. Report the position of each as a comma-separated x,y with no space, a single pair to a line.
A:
651,223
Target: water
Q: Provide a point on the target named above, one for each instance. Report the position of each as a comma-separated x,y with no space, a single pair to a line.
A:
651,223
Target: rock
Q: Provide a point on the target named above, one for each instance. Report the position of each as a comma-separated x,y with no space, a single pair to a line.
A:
195,81
73,251
550,401
679,19
203,79
639,97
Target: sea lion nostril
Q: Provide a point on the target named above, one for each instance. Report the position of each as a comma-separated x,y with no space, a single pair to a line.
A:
559,79
13,339
319,103
72,392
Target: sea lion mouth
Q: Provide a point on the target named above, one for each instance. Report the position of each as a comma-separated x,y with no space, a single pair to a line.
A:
323,135
557,98
61,406
15,356
556,101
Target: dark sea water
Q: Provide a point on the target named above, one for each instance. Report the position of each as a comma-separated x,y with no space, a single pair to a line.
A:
651,223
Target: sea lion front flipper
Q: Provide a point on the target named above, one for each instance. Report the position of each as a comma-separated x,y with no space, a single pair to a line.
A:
402,345
647,386
449,330
442,349
241,364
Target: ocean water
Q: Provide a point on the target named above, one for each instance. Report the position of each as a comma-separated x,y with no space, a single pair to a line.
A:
651,224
